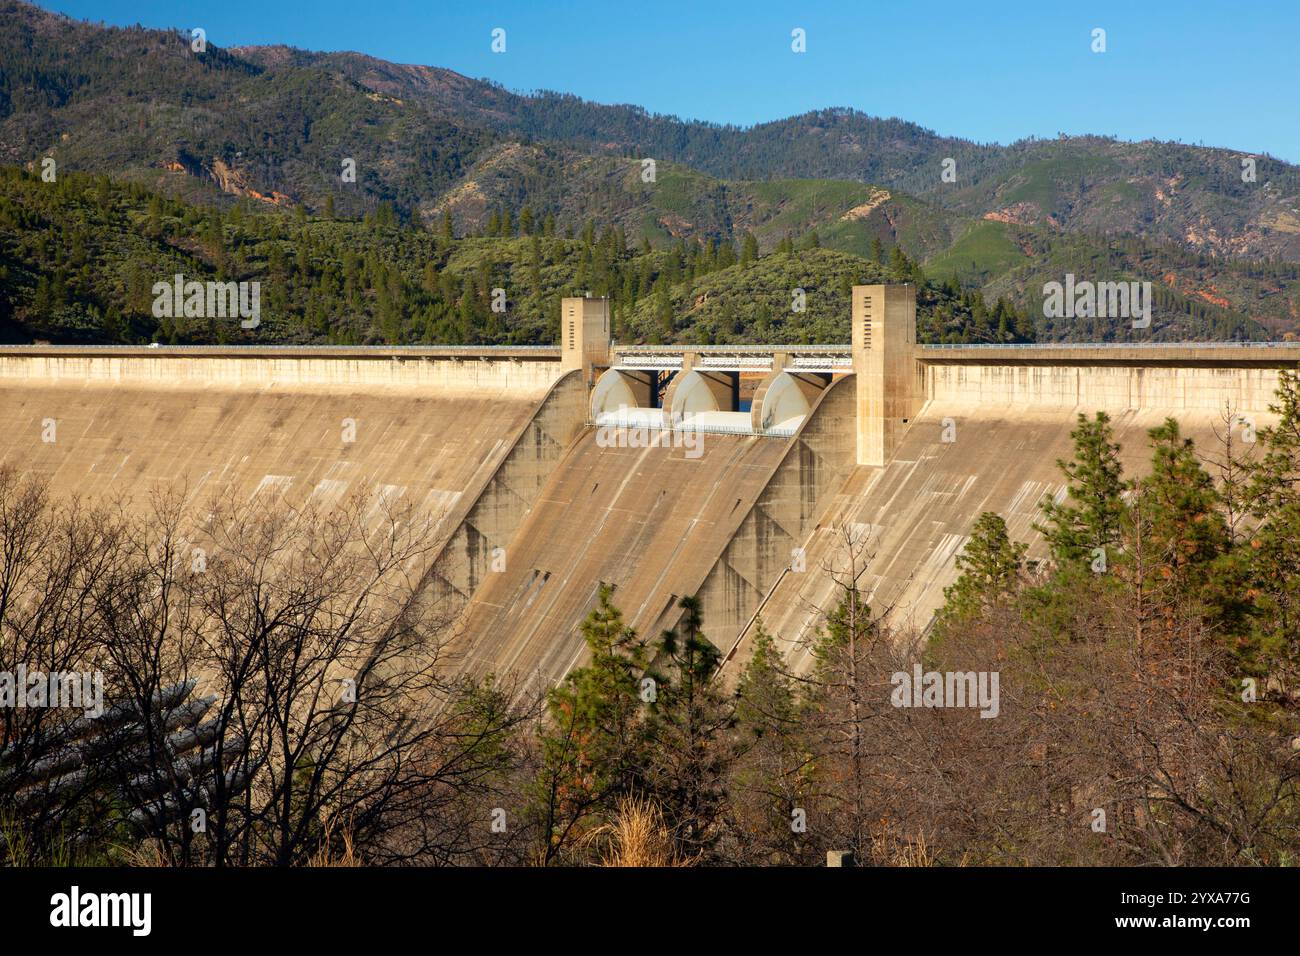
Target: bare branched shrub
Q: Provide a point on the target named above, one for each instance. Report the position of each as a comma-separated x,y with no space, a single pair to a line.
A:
325,726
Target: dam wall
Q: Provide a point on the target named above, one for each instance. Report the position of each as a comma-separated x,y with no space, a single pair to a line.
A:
648,521
1112,386
766,545
496,507
987,438
428,432
658,523
532,510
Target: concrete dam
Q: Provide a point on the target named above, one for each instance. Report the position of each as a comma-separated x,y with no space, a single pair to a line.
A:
735,473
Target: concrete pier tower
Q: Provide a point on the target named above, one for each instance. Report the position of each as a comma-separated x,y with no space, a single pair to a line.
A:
884,364
584,335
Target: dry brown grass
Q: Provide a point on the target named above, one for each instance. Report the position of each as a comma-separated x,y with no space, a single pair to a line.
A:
326,857
638,836
146,853
889,848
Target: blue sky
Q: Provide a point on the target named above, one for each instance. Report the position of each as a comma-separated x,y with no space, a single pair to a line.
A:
1195,71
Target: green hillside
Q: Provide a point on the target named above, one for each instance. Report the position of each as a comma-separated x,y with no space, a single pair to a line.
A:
984,250
804,297
79,259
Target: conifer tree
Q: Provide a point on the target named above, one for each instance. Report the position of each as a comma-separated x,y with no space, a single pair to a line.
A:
771,775
1183,527
689,717
594,741
877,250
1090,517
990,567
1274,547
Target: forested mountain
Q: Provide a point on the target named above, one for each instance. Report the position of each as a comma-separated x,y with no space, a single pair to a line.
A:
1183,193
79,259
1186,194
269,128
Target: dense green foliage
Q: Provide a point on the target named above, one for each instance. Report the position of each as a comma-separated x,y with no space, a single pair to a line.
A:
1085,528
79,258
990,567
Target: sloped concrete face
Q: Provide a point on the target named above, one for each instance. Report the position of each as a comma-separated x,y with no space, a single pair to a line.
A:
498,506
466,444
764,547
650,521
914,516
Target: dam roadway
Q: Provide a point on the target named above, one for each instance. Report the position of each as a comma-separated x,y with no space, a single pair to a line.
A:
537,500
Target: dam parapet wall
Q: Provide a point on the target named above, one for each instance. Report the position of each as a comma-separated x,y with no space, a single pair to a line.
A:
1100,386
452,370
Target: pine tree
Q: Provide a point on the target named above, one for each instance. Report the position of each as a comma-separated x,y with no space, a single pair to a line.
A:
153,225
1091,517
689,717
664,311
1177,567
1273,551
770,776
990,567
1184,527
594,741
899,264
